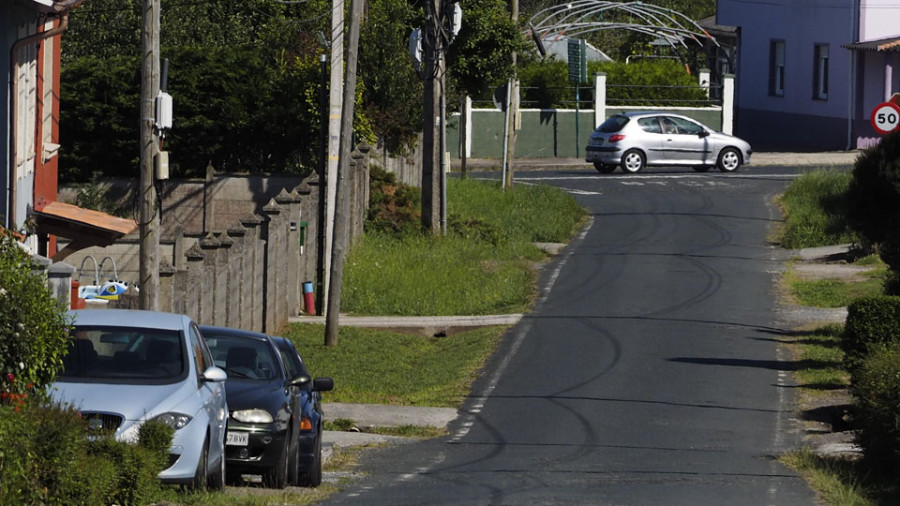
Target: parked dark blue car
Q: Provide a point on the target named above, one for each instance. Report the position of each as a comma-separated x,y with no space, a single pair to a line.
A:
274,422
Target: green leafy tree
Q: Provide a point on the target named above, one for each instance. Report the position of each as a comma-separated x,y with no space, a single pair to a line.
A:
480,56
33,325
392,93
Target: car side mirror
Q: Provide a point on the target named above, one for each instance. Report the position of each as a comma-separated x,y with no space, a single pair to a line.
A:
323,385
703,133
300,381
214,374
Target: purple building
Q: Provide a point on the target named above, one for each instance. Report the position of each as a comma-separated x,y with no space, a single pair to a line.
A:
809,73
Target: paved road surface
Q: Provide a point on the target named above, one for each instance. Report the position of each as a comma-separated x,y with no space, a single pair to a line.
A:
648,374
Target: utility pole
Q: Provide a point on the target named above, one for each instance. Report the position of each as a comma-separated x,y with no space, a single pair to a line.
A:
433,65
342,209
512,107
149,141
334,132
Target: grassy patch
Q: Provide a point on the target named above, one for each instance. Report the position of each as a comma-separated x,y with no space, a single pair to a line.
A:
831,293
438,276
815,207
820,360
484,265
379,367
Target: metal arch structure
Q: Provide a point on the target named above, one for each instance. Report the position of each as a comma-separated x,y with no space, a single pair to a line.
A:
585,16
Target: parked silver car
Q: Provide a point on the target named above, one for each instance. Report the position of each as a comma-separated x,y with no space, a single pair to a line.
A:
126,367
634,140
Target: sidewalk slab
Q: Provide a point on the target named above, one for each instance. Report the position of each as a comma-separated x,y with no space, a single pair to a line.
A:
378,415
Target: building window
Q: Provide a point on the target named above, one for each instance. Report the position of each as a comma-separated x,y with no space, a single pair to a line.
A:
776,68
820,72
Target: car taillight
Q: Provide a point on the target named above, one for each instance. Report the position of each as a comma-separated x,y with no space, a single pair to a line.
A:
616,138
305,424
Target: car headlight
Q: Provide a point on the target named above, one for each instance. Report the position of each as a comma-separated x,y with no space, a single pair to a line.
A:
252,416
174,420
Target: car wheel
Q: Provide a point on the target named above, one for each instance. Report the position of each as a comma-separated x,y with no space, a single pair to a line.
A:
198,484
604,168
277,476
313,476
729,160
217,478
701,168
633,161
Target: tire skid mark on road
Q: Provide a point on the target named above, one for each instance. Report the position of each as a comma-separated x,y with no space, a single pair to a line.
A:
478,404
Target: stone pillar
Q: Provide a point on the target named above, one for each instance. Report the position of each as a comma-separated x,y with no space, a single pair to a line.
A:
206,288
235,314
703,80
252,279
728,104
272,271
59,280
166,286
188,294
599,98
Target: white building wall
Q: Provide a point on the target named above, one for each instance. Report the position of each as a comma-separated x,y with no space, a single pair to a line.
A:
878,19
801,24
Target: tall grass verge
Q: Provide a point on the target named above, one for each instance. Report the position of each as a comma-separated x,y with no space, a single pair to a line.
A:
381,367
815,210
485,265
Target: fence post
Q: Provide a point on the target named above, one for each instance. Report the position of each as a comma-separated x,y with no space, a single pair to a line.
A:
704,81
728,104
599,98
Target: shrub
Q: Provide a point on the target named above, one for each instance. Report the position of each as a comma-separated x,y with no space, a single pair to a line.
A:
876,397
33,324
871,321
394,207
873,198
44,459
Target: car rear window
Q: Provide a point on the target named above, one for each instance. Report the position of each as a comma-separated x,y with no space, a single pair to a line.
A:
613,124
124,354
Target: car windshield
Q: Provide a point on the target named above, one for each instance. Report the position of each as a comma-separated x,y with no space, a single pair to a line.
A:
244,358
123,354
613,124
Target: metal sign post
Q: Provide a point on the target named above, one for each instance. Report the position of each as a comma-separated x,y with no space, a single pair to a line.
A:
577,50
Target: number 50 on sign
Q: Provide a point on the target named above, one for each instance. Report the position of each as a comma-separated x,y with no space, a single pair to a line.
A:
886,117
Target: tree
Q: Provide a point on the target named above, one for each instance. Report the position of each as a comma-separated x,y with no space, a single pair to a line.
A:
391,90
481,55
33,325
243,76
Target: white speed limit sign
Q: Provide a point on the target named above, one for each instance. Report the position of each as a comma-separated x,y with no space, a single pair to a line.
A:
886,117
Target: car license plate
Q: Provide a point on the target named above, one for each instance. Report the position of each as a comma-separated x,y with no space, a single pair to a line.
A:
237,438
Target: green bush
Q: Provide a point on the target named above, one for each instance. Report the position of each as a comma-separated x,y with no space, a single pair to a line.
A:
46,457
33,324
873,198
545,84
876,398
871,322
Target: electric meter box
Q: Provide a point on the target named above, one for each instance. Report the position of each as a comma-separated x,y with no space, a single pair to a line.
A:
161,165
163,111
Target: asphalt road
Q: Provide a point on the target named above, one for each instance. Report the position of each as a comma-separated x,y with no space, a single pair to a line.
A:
649,372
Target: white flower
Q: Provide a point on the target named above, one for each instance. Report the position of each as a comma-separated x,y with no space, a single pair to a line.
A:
22,365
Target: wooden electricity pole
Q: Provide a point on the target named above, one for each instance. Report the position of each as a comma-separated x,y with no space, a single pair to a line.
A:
149,141
513,105
342,190
433,68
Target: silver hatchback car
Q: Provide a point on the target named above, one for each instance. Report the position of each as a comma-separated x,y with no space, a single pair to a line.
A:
125,367
634,140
